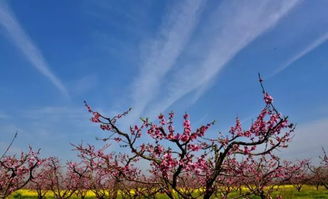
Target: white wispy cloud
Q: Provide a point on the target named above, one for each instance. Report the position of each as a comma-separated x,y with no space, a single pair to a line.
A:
316,43
56,113
4,116
83,84
161,54
238,23
27,47
308,139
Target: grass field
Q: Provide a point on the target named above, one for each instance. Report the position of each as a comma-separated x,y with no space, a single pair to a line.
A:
288,192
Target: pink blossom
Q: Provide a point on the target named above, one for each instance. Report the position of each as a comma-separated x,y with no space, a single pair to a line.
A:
267,98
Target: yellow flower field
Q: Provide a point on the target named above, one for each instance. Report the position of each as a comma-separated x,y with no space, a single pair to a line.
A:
287,191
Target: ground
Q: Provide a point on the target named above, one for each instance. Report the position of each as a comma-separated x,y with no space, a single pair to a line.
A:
287,191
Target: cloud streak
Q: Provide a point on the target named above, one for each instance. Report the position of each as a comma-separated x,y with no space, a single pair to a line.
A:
308,140
301,54
161,54
4,116
236,25
27,47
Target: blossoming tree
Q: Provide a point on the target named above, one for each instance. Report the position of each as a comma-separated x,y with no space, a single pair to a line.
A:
261,175
173,154
106,173
17,170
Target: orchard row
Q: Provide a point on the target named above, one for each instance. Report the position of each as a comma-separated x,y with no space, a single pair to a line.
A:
185,164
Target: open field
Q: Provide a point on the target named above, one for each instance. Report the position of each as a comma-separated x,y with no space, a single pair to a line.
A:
287,191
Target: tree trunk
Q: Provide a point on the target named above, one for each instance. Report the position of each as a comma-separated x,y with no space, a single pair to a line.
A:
262,196
208,194
325,185
40,194
115,192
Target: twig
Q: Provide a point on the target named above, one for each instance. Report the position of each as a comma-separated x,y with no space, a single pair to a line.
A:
11,143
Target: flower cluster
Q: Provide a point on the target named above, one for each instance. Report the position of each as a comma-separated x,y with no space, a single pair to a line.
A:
16,171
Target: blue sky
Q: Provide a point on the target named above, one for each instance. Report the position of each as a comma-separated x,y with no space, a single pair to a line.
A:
200,57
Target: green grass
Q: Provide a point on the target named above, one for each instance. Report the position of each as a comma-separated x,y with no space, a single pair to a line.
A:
307,192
